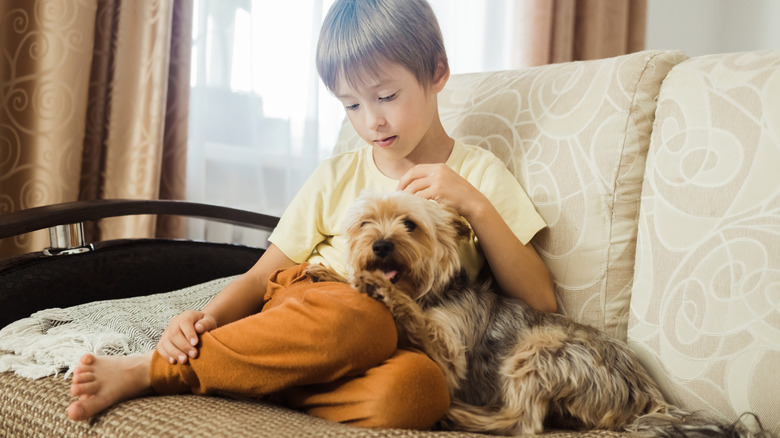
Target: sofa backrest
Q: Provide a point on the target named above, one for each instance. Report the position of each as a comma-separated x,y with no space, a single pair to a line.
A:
576,137
705,310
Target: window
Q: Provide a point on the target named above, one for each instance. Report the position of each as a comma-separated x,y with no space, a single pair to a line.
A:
260,120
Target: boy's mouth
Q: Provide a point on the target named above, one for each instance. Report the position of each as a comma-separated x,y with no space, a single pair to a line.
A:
385,142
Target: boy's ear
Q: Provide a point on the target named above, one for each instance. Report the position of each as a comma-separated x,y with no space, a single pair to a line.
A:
440,77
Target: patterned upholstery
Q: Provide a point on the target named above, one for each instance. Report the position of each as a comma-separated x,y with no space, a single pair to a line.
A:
576,136
705,310
704,301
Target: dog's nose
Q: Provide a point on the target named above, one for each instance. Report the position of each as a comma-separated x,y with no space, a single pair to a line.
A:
382,248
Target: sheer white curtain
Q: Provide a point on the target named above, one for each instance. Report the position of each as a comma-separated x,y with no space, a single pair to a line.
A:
478,34
260,120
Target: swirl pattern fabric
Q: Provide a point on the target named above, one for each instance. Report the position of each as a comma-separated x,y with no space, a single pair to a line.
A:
705,311
96,96
576,137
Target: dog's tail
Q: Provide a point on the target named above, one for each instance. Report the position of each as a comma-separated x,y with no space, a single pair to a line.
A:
668,422
678,423
495,420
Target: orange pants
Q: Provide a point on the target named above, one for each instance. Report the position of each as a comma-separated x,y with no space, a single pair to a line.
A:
323,348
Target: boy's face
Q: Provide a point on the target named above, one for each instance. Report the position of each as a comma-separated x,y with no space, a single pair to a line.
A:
391,111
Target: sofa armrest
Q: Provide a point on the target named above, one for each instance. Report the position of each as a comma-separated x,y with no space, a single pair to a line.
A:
116,268
25,221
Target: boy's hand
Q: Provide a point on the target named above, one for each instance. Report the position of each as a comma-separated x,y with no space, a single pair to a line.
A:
443,185
179,341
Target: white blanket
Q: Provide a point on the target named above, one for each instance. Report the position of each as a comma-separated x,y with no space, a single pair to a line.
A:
52,341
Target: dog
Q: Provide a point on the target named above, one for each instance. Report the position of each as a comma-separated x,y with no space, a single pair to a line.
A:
510,370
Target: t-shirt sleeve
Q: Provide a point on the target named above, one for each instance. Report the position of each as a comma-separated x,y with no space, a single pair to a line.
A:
511,201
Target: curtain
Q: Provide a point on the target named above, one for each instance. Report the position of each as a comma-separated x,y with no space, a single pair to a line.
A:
549,31
94,106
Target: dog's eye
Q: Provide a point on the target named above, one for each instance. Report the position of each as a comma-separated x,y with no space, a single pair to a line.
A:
410,226
363,224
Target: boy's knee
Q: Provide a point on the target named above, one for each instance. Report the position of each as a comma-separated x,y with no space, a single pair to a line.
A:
414,397
357,327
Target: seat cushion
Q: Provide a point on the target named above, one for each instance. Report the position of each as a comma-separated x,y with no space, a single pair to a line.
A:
37,408
576,136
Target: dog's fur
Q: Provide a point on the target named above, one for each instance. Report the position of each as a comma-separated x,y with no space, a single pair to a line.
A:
510,370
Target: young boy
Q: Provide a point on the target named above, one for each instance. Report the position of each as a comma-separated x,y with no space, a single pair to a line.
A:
325,348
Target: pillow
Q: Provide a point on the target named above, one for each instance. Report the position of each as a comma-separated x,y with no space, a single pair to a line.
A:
705,311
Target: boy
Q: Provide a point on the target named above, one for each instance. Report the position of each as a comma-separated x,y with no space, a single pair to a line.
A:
324,348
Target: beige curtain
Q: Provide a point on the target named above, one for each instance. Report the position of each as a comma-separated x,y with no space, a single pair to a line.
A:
550,31
94,106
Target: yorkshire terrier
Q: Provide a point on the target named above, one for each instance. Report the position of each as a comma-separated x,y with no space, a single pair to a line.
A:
510,370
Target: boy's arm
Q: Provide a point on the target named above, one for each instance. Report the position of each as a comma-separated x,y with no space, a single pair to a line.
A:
242,297
518,269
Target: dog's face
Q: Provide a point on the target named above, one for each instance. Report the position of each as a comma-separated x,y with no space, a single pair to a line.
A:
413,241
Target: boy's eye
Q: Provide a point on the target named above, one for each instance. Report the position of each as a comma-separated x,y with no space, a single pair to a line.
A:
389,98
352,107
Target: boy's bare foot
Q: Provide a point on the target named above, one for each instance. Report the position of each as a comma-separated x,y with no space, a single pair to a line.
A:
103,381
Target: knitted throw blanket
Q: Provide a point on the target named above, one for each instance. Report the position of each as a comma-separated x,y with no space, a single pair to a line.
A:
51,341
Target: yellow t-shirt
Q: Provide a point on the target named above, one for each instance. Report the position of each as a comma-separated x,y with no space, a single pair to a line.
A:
311,227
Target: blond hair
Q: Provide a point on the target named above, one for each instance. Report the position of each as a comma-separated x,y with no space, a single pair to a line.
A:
357,36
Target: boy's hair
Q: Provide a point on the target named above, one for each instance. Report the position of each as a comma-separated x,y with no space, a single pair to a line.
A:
359,35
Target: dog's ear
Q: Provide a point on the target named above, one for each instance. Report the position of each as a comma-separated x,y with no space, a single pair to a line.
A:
352,217
462,229
450,217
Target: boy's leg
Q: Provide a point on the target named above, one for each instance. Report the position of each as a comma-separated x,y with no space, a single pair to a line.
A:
406,391
308,333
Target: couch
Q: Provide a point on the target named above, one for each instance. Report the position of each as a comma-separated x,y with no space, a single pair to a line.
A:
658,177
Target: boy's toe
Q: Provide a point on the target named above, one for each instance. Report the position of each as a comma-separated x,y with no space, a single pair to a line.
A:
83,376
86,407
76,412
87,359
84,389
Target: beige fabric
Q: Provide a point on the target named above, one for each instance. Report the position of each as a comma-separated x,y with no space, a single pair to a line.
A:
575,135
51,341
36,408
44,67
705,311
96,101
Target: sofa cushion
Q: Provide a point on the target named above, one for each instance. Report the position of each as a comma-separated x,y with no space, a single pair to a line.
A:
576,137
705,311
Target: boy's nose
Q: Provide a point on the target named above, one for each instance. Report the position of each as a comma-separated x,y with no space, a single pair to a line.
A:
375,119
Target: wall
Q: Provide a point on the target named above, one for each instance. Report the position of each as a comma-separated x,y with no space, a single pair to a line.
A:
701,27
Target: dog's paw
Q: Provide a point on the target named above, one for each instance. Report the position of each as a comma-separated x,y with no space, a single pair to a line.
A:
373,284
322,273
